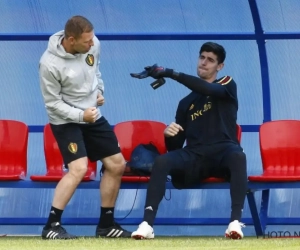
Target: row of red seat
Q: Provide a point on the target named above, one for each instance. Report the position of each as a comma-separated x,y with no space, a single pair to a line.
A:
279,147
14,140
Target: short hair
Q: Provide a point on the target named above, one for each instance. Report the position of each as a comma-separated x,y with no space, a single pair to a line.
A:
77,25
215,48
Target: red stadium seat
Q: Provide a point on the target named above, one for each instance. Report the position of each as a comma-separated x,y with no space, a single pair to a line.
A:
239,133
280,151
54,161
132,133
13,150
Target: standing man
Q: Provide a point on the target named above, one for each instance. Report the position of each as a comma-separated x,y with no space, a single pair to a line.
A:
206,119
72,89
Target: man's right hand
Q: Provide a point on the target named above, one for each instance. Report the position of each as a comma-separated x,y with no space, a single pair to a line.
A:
90,115
172,130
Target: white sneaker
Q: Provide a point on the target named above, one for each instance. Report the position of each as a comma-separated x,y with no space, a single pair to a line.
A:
144,231
234,230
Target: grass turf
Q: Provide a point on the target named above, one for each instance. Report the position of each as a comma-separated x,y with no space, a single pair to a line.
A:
159,243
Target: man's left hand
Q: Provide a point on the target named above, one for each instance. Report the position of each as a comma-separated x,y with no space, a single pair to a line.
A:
100,99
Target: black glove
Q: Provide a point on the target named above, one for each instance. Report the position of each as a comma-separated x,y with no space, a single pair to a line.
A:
154,71
141,75
158,72
158,83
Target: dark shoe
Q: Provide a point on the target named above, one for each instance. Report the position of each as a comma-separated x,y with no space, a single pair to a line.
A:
56,231
115,231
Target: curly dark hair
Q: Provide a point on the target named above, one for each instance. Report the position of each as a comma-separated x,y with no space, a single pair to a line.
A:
215,48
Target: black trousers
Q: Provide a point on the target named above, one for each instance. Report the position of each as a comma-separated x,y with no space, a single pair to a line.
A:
189,165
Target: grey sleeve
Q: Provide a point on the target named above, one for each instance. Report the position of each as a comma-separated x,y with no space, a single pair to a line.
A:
98,73
51,90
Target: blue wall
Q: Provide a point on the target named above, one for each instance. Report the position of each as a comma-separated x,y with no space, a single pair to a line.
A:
262,56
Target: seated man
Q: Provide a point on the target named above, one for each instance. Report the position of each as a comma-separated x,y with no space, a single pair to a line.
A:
206,119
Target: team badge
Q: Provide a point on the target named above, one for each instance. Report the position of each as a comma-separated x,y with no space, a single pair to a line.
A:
225,80
73,148
90,59
191,107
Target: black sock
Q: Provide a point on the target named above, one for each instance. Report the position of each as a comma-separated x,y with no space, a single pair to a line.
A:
106,217
236,213
149,215
54,216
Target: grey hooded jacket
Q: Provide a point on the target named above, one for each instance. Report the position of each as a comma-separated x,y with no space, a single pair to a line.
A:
69,83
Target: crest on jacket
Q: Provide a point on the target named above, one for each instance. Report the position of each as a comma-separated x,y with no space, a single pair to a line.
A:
73,147
90,59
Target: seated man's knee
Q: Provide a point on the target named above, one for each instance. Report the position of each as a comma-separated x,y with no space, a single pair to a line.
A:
237,159
114,164
78,168
161,162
